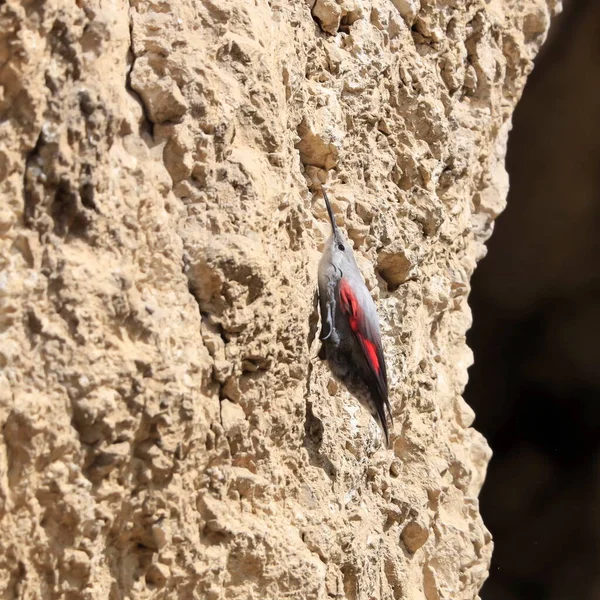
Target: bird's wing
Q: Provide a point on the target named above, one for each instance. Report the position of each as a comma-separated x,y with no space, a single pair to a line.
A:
369,340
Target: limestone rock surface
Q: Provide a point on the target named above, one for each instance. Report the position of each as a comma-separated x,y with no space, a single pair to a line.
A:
166,429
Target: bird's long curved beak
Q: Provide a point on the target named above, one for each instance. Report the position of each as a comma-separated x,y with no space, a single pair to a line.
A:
329,211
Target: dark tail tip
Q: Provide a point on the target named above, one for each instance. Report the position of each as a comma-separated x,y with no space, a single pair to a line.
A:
384,423
386,433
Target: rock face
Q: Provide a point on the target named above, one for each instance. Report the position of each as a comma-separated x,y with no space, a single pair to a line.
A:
167,430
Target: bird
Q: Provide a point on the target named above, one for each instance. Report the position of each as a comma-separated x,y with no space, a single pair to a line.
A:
350,334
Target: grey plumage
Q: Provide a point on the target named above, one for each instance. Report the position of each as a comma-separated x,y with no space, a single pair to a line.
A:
350,326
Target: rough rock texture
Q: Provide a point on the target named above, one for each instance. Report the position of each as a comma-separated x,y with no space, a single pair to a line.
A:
167,430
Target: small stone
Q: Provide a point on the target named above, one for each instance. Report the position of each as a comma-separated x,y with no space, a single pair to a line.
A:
395,264
160,535
414,535
222,370
161,95
158,574
314,147
329,15
408,9
232,416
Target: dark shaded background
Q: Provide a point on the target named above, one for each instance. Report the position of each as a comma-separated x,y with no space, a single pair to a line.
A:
535,385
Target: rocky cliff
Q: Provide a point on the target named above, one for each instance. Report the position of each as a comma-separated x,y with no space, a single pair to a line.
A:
167,428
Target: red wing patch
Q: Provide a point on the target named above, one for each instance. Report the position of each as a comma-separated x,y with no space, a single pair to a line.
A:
349,304
368,337
371,352
351,307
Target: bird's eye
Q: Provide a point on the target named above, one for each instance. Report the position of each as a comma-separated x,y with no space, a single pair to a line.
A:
341,247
